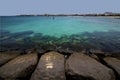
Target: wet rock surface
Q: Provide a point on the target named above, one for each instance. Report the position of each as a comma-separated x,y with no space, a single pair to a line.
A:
82,67
20,67
50,67
6,56
114,63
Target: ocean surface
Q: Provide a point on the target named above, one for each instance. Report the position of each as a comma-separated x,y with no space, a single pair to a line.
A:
65,32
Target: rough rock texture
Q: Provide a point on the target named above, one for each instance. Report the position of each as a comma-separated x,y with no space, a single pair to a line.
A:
6,56
116,55
19,67
79,65
50,67
114,63
94,56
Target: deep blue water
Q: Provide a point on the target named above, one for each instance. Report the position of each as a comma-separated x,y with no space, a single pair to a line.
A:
66,32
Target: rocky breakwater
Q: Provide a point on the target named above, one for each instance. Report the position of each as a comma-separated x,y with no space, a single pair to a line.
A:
53,65
82,67
50,67
19,68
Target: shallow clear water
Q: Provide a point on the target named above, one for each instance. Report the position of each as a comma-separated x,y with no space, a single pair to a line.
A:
57,26
60,32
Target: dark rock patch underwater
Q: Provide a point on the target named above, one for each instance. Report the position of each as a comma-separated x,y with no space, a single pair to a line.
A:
95,41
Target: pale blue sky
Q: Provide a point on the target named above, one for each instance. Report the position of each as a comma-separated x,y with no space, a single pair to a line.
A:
15,7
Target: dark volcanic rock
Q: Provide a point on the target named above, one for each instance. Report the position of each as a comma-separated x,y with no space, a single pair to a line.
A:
81,66
114,63
50,67
19,67
6,56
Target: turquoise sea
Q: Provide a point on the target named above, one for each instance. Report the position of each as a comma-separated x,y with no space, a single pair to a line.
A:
65,32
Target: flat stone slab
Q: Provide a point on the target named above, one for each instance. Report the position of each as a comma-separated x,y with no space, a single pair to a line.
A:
80,66
50,67
114,63
19,67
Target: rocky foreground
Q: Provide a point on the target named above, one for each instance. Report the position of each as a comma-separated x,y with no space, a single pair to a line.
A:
58,66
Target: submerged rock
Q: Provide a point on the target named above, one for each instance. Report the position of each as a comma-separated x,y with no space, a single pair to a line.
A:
6,56
50,67
114,63
19,67
79,66
4,33
21,34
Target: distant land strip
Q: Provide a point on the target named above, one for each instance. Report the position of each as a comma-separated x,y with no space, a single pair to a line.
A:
108,14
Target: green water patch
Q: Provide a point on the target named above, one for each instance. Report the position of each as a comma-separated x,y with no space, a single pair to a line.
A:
108,41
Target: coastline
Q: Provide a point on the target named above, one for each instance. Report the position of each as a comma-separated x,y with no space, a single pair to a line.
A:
111,15
106,14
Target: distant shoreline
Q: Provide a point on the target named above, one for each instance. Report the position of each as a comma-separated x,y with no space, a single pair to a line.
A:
106,14
69,15
116,16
